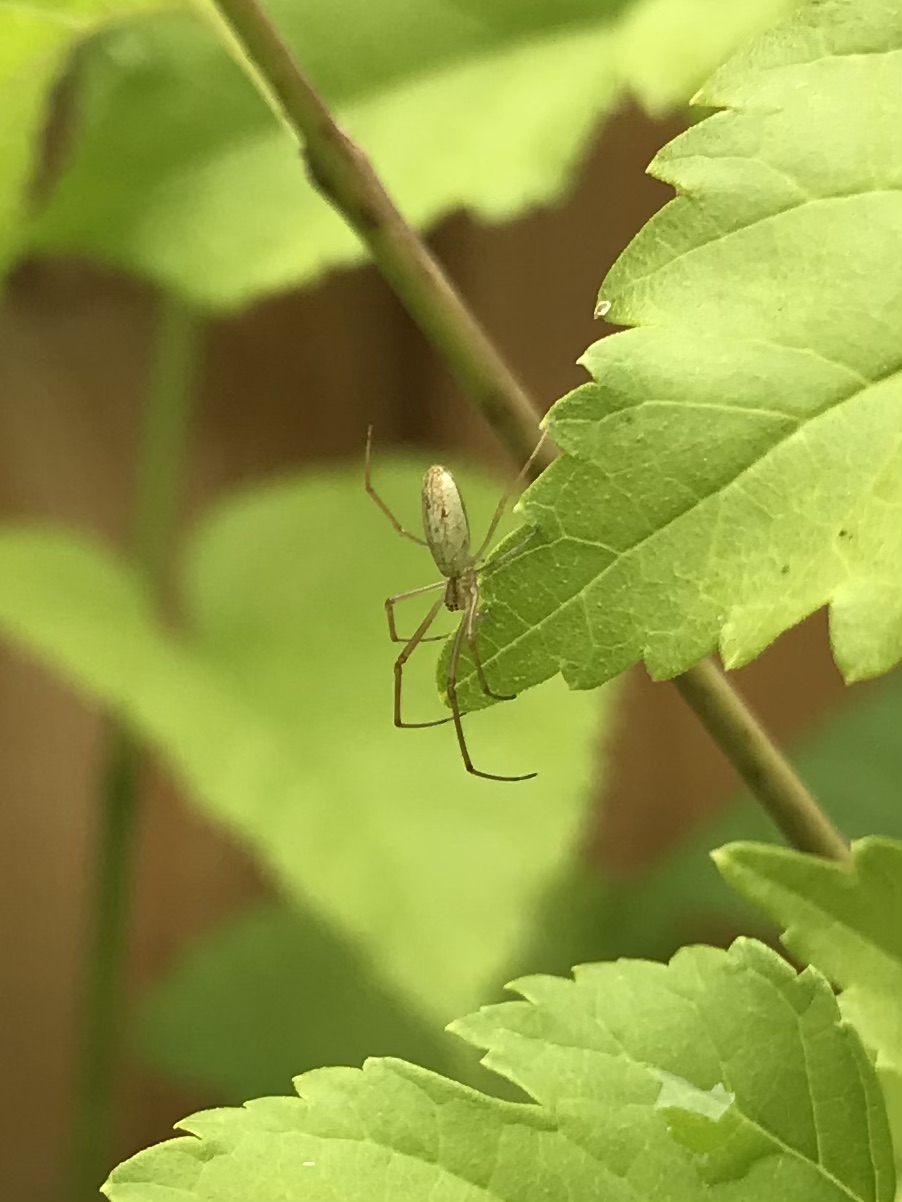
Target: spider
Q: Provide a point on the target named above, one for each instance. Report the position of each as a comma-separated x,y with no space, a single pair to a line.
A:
448,539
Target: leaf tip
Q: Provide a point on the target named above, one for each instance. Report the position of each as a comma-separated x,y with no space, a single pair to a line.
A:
719,855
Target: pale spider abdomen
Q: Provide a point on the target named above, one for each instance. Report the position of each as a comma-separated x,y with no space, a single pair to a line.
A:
445,522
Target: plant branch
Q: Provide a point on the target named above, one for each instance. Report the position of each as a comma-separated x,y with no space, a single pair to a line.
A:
342,173
157,494
158,490
93,1109
759,761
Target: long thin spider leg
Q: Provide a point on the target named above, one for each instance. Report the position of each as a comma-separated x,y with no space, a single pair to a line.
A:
368,485
402,659
508,493
390,613
509,553
455,712
472,615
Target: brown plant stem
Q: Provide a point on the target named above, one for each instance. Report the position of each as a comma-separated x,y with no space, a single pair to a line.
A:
759,761
342,173
344,176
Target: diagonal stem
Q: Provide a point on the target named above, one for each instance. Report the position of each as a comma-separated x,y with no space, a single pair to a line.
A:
770,777
342,173
344,176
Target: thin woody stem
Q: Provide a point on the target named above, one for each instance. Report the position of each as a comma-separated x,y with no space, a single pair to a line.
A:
758,760
342,173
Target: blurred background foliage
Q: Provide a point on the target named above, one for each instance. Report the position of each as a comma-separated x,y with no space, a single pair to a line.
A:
176,170
189,550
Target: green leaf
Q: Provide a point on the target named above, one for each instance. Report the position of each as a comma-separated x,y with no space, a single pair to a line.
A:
845,920
182,174
747,1055
852,765
36,39
735,465
274,709
721,1076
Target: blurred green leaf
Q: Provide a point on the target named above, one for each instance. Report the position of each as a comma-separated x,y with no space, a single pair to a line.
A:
853,765
736,463
714,1077
275,992
845,920
275,711
574,922
36,39
182,174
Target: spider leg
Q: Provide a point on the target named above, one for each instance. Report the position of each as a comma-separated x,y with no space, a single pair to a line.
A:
390,603
470,622
368,485
508,493
509,553
455,707
411,645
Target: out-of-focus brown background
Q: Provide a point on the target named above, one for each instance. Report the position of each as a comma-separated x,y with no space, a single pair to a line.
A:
295,380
